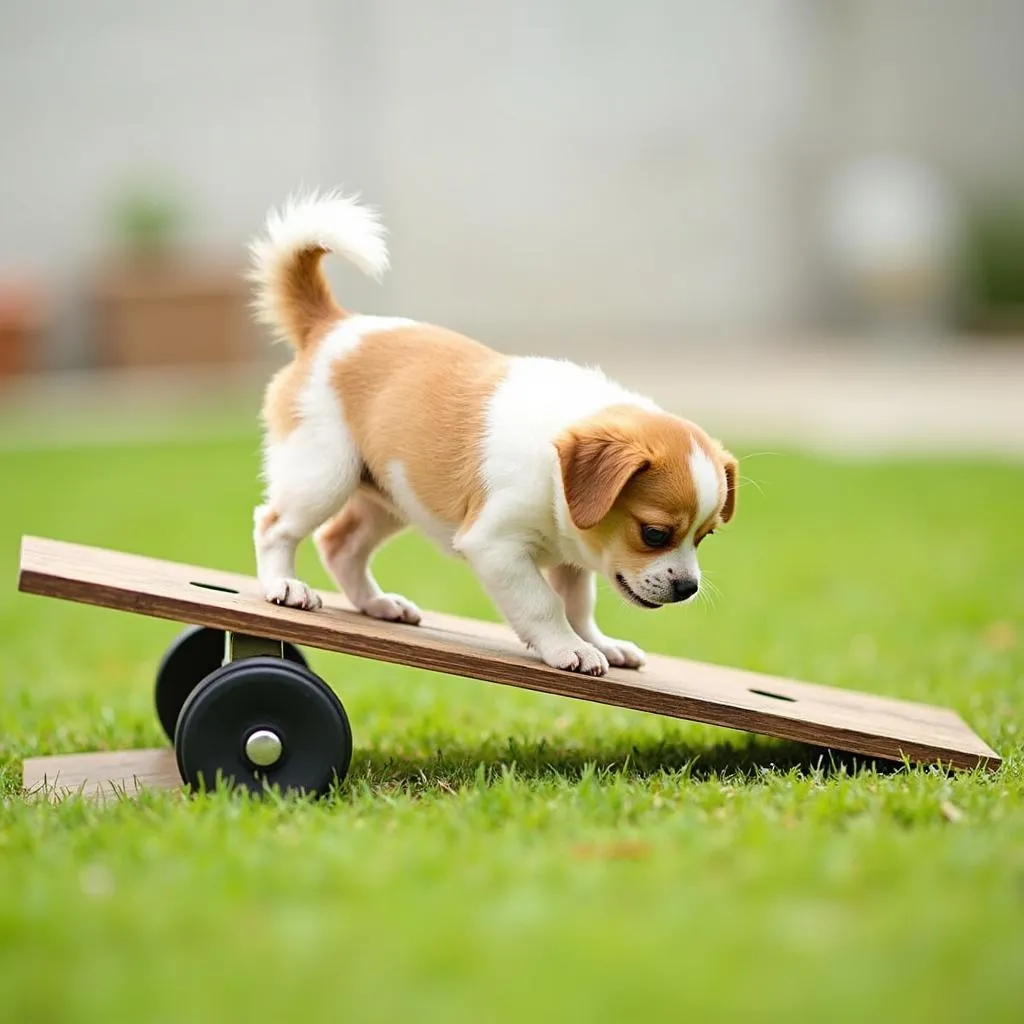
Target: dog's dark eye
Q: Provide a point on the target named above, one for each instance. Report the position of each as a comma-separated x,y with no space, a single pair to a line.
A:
655,536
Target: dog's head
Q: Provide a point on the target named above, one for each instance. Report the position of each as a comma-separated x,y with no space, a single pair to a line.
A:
643,489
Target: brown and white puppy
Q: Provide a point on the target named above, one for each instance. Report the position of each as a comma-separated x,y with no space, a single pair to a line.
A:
520,465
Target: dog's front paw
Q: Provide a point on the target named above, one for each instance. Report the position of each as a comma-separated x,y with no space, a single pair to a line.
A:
292,593
621,653
392,608
575,657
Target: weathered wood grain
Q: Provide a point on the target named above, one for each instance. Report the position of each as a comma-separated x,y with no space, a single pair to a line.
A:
109,775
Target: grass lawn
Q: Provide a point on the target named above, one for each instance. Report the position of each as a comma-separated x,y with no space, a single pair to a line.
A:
498,855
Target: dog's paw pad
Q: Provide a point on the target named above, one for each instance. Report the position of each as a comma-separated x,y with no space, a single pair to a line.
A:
579,657
392,608
621,653
292,594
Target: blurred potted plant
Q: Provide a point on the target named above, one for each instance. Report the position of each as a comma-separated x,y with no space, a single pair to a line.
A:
994,260
148,221
21,327
159,304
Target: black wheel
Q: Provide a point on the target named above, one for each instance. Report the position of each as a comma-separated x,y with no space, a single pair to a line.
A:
263,721
195,653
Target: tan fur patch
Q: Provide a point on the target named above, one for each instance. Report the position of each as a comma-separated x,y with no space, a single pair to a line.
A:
280,404
331,536
268,519
303,301
732,469
596,464
417,396
661,493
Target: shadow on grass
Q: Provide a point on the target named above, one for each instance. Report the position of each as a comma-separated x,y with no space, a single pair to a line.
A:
455,765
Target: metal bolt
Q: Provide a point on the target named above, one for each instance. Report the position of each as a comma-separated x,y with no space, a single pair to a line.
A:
263,748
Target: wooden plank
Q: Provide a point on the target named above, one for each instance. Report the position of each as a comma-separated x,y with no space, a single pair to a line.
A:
110,775
860,723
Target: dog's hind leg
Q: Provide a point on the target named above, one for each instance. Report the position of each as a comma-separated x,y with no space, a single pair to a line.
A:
309,477
346,545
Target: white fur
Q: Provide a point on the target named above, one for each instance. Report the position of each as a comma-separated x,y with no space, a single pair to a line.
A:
332,222
709,489
524,525
534,404
314,470
320,455
524,522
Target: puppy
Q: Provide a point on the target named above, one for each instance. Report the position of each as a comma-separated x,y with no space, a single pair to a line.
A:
538,472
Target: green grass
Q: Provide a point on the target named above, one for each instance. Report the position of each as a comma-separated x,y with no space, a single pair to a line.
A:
498,855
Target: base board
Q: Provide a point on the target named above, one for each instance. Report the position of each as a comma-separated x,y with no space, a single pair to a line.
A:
112,774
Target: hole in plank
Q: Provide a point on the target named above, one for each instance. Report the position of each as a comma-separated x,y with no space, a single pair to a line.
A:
774,696
213,586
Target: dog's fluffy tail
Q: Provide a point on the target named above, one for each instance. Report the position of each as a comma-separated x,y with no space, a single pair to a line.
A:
292,294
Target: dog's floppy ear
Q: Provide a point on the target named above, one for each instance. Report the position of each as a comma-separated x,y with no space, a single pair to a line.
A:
596,465
732,469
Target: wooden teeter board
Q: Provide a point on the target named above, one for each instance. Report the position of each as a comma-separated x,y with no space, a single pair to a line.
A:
784,708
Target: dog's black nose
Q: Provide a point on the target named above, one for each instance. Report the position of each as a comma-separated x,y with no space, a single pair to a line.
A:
682,589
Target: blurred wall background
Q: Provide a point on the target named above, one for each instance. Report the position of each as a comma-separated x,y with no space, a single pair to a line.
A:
551,171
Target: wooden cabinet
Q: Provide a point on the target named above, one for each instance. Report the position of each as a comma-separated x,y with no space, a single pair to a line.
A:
172,312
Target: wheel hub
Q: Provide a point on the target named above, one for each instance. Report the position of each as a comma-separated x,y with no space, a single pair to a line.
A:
263,748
